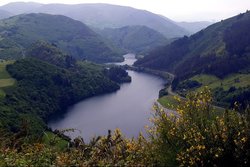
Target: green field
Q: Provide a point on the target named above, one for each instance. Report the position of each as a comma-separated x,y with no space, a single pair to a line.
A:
171,103
6,82
3,73
236,80
168,102
2,94
5,78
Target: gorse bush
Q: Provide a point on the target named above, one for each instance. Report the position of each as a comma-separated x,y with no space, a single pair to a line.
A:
198,136
194,135
107,150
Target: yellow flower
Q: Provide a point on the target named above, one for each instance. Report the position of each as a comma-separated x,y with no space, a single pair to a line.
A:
184,137
130,146
244,139
201,147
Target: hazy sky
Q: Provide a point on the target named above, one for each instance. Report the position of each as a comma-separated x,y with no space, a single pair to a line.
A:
179,10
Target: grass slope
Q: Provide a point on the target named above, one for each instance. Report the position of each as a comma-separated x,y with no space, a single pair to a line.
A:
226,91
5,79
168,102
236,80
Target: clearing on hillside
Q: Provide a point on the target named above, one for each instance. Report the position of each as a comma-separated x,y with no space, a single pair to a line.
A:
5,79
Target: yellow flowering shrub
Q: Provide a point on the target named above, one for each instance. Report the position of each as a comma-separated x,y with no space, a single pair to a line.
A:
194,135
107,150
198,136
110,150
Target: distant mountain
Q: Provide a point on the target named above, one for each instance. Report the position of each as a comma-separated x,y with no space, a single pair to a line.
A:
20,7
73,37
221,49
4,14
135,39
104,16
194,27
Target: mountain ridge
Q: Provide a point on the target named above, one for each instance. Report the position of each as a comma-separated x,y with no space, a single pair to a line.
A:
194,27
124,37
73,37
4,14
110,16
206,51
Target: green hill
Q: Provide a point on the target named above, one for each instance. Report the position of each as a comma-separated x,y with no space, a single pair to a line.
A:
43,90
220,51
134,39
100,15
19,32
46,83
51,54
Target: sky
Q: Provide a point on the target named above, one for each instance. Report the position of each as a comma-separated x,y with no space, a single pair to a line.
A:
178,10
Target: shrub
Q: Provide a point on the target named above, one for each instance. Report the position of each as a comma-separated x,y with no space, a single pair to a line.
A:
194,135
198,136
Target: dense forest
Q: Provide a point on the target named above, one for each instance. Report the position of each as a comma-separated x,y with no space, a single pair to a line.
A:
117,74
124,37
220,50
47,82
71,36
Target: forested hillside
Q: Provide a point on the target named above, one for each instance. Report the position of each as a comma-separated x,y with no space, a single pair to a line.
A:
49,76
43,90
103,16
51,54
47,82
73,37
134,39
220,51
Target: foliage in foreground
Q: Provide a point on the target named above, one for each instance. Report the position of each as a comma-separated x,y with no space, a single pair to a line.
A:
102,151
194,136
198,136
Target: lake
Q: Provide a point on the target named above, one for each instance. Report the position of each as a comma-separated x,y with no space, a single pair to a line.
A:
129,108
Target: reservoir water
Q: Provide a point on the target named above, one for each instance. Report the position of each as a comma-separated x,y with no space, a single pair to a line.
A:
128,108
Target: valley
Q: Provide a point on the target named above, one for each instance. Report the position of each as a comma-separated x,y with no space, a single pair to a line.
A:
18,33
98,84
128,109
211,54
